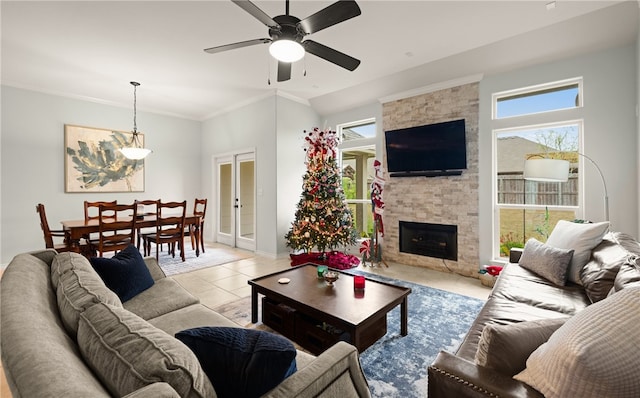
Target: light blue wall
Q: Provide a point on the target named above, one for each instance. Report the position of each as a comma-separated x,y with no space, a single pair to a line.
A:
610,132
32,156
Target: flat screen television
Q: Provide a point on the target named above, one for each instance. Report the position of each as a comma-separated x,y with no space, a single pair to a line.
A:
431,150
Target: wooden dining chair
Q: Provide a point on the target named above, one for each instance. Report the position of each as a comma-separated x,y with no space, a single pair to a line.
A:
91,213
199,209
89,206
150,207
50,234
169,228
116,227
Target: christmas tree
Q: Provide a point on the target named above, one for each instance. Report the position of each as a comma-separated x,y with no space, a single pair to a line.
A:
323,219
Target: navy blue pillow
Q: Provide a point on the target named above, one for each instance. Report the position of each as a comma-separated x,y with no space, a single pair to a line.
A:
241,362
125,273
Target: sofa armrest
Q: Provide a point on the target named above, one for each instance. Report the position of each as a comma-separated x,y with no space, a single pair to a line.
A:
154,268
334,373
452,376
155,390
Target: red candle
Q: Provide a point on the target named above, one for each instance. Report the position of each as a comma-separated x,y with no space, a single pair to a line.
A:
358,282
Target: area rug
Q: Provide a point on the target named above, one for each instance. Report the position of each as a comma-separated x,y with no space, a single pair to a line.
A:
396,366
210,258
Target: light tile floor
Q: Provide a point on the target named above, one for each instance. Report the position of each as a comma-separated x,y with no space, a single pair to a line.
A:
228,282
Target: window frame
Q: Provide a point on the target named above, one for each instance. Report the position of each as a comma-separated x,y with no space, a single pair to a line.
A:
530,121
363,143
495,97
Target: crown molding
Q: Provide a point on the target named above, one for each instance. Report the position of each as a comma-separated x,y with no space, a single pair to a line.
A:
431,88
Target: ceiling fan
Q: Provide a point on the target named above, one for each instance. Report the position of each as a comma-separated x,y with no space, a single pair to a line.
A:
286,34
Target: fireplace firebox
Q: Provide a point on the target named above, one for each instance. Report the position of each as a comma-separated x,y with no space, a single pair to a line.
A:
431,240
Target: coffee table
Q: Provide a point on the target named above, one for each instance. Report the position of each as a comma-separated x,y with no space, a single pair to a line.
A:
316,315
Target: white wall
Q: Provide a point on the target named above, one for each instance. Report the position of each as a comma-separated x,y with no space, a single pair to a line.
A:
273,127
610,133
293,119
32,161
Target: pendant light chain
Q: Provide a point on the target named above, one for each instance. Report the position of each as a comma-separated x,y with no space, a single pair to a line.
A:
135,101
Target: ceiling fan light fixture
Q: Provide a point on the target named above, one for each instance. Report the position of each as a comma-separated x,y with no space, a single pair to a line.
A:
286,50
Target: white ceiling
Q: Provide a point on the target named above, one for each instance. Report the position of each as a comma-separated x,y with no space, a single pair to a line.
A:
92,49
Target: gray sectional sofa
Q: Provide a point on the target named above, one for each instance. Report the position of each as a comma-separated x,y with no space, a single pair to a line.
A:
58,320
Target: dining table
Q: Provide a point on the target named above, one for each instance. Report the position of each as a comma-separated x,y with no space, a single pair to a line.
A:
78,229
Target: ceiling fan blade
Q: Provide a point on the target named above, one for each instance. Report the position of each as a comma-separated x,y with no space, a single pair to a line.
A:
331,55
256,12
284,71
233,46
329,16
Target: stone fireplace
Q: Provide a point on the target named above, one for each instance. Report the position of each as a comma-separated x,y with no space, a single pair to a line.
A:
430,240
446,200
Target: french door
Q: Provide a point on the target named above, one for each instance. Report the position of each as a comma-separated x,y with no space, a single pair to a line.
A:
236,200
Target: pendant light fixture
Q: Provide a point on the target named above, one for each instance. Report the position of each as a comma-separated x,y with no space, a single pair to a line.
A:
135,150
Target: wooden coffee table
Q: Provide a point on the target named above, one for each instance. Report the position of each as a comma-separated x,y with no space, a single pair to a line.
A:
316,315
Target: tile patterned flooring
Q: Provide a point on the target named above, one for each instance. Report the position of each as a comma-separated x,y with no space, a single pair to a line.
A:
228,282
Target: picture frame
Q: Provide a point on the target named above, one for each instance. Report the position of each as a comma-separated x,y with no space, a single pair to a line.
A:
93,162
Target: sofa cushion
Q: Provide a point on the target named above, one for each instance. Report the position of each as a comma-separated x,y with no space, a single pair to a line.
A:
241,362
78,288
125,273
506,348
594,354
192,316
547,261
599,274
127,353
166,295
582,238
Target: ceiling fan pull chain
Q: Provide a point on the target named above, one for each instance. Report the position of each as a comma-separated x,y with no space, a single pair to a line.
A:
268,70
304,71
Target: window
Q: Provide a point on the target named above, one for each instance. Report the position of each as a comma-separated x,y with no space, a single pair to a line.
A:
526,209
357,153
545,98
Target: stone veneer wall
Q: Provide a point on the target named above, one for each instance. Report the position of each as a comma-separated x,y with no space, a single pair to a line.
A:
439,200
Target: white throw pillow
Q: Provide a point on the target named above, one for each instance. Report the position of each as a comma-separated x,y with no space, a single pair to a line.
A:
594,354
582,238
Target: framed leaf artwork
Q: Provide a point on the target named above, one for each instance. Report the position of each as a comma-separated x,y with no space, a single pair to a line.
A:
93,162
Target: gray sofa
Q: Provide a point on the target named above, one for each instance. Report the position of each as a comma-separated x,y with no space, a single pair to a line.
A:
50,333
528,320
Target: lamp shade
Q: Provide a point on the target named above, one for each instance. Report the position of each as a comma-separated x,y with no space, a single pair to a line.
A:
547,170
135,153
286,50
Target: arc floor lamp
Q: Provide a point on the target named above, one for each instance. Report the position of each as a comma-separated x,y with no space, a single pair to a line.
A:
557,170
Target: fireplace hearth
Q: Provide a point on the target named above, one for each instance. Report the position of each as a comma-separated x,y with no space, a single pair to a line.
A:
431,240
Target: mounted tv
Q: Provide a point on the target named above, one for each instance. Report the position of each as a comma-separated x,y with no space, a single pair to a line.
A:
432,150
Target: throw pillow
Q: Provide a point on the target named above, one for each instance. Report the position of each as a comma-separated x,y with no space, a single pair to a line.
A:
547,261
582,238
594,354
628,275
241,362
599,274
125,273
506,348
128,353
